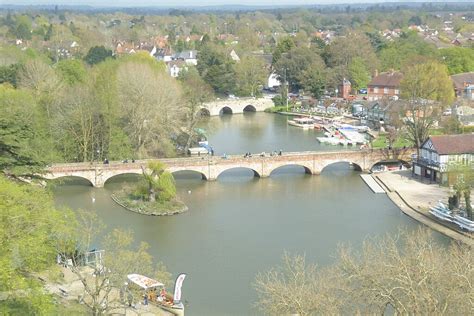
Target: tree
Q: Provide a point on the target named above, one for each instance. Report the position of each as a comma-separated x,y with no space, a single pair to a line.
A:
284,46
314,79
427,88
458,59
103,280
251,75
28,230
97,54
150,108
159,182
295,65
405,273
72,71
9,74
343,50
217,69
195,92
359,73
21,152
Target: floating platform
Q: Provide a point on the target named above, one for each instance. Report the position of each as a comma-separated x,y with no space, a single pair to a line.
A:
374,186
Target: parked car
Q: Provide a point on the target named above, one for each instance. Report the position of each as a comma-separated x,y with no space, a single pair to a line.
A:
363,91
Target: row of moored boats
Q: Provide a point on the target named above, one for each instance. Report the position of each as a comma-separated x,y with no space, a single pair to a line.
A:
444,213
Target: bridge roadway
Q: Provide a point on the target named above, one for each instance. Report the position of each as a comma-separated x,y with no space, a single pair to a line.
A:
211,166
235,106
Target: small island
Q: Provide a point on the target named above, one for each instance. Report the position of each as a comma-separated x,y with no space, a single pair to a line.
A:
154,194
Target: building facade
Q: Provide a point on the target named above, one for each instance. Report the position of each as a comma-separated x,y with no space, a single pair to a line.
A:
464,85
384,85
440,154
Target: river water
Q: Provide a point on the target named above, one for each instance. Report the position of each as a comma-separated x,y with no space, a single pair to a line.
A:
240,225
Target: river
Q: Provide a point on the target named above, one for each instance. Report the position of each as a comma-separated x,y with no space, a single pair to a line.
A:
240,225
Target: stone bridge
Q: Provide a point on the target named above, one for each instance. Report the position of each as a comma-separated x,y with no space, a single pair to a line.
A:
234,106
210,167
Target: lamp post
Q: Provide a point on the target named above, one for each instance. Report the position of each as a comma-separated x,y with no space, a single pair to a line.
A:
286,84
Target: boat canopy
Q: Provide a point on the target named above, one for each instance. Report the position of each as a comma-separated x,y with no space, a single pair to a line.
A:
144,282
304,120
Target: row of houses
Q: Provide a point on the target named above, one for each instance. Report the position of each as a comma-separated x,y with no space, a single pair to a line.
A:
387,85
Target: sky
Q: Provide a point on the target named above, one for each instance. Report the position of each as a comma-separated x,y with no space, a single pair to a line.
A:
178,3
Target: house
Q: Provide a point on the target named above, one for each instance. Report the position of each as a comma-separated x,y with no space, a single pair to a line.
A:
464,85
189,56
438,155
174,67
273,81
383,112
384,85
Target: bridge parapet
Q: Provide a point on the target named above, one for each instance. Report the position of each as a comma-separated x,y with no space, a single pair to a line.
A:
212,166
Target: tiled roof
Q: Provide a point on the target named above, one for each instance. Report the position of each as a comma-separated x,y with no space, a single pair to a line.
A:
453,144
460,80
387,79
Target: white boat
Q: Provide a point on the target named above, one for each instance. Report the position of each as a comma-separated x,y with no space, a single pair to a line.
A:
464,223
302,122
442,213
154,290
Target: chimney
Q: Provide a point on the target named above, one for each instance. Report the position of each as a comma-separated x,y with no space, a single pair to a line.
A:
190,54
376,73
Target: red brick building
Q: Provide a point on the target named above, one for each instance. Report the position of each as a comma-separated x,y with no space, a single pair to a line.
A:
344,89
384,85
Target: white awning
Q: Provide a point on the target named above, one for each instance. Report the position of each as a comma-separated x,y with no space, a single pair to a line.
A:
144,282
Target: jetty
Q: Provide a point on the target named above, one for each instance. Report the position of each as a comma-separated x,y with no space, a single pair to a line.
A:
373,185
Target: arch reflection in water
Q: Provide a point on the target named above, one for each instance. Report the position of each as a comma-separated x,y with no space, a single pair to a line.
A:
290,170
225,110
341,166
238,174
250,108
71,180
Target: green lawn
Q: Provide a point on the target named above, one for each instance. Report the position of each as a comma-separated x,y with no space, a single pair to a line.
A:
381,142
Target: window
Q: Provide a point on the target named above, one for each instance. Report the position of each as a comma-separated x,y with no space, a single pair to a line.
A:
376,90
385,90
397,92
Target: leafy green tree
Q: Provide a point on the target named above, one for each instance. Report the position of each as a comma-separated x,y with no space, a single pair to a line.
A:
159,182
399,52
97,54
251,74
72,71
314,79
21,152
458,59
28,230
285,45
295,64
359,73
217,69
9,74
427,88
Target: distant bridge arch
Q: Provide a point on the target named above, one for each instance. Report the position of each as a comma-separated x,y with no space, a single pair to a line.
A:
308,169
135,173
226,110
238,106
256,174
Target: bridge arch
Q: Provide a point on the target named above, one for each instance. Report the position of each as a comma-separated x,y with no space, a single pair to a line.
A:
255,173
72,177
225,110
394,162
177,173
356,165
307,168
250,108
135,173
204,112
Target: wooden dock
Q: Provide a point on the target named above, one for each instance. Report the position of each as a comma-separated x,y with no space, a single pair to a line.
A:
373,185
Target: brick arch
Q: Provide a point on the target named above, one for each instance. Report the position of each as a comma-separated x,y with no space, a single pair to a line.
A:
249,108
255,172
59,177
359,164
203,176
226,110
105,179
307,167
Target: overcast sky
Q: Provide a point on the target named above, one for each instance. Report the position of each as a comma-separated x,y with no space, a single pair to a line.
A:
176,3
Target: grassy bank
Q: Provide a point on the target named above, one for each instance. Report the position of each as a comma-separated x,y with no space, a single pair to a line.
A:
382,142
158,208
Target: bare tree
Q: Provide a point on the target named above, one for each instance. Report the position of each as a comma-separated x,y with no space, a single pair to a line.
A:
406,273
150,102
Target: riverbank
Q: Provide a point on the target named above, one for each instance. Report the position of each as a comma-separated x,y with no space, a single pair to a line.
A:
414,198
167,208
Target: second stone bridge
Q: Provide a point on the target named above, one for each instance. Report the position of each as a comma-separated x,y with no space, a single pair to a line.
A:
210,167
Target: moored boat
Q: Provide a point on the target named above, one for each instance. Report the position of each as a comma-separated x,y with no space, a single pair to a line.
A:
464,223
303,122
442,213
